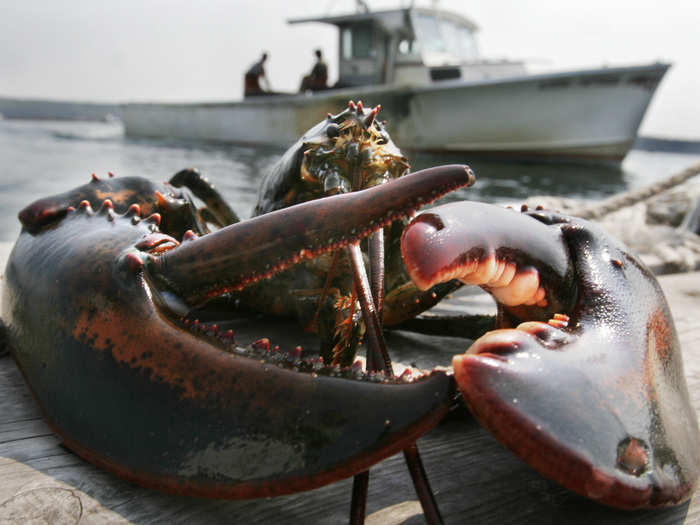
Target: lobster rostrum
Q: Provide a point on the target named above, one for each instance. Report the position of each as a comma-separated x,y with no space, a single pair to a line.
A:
159,398
583,379
346,152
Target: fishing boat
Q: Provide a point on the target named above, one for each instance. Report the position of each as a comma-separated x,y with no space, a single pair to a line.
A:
437,94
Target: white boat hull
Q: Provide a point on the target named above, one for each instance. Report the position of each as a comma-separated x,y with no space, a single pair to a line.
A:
589,114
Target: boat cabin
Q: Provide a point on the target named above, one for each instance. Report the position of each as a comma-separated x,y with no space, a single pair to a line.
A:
411,46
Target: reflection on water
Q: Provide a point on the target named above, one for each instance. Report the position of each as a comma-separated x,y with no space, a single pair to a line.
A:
509,180
41,158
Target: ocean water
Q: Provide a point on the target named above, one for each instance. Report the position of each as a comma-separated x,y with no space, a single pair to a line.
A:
41,158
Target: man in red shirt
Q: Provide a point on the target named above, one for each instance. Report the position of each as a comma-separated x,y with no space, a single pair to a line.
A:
251,86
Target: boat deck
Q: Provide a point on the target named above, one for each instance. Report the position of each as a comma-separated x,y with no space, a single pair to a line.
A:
474,478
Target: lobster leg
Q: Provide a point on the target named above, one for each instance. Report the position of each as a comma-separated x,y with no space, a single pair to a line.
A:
377,353
218,210
376,258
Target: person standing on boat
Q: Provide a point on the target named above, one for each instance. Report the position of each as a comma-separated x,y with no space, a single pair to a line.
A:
318,78
251,86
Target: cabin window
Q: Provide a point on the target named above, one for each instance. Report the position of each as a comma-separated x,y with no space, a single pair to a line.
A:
362,41
441,36
357,42
346,43
459,39
430,34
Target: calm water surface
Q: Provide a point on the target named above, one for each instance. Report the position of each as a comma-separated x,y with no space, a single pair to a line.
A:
40,158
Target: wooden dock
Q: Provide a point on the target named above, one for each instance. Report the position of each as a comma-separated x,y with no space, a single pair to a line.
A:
475,480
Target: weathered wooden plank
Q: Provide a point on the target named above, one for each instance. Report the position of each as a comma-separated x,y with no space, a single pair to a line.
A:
474,478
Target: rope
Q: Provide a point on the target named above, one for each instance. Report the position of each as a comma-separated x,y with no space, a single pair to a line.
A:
630,198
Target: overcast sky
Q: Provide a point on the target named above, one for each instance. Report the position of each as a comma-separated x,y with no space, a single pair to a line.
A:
181,50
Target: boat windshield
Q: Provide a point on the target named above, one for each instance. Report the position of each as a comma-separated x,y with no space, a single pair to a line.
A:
442,39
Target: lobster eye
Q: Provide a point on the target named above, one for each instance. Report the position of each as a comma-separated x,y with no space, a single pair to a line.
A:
332,130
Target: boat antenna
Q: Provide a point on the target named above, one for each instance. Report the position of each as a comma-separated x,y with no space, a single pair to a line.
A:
361,6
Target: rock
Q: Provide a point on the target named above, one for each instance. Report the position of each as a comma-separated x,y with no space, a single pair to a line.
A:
671,207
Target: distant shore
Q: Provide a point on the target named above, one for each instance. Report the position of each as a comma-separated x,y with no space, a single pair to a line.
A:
37,109
667,145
